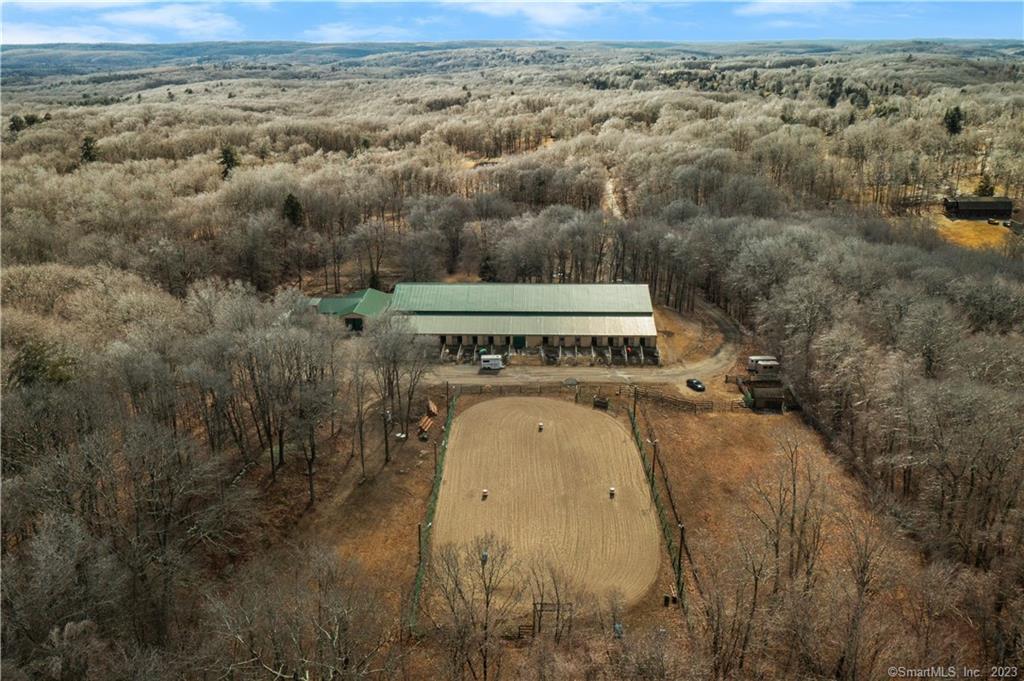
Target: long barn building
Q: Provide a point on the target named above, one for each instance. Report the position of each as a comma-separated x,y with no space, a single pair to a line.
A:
511,315
529,315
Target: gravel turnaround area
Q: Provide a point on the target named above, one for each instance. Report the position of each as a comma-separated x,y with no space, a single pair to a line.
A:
548,492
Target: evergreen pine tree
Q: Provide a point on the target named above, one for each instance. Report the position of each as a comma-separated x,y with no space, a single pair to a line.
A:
954,120
88,149
292,210
488,272
228,161
985,186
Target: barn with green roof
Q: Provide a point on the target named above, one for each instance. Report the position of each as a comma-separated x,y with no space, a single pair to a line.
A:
510,316
530,315
355,308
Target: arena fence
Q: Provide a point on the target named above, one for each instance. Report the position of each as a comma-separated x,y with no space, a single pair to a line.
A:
428,518
619,395
585,392
695,406
674,547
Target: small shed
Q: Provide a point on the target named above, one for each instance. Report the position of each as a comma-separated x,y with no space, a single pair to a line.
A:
998,207
766,394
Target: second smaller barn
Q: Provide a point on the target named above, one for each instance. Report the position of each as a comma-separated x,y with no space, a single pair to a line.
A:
978,207
355,308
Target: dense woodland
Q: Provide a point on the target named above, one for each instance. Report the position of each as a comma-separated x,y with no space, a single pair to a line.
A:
164,209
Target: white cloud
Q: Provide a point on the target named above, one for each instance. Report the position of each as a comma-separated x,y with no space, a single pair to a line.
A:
65,5
341,32
789,23
33,34
812,7
191,21
542,14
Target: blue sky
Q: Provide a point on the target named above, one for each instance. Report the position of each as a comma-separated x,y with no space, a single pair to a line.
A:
36,21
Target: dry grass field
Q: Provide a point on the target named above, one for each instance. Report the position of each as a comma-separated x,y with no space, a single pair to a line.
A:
548,492
971,233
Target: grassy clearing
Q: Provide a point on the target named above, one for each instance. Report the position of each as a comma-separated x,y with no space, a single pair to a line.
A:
976,234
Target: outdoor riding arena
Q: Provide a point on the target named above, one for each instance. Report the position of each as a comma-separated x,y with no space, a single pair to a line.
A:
548,492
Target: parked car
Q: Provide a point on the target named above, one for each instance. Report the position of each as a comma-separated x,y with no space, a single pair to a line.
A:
993,221
695,385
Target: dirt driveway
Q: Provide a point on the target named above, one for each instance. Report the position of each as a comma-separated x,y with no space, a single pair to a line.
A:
710,369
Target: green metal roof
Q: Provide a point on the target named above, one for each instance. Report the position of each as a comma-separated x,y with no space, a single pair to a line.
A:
532,325
367,302
523,299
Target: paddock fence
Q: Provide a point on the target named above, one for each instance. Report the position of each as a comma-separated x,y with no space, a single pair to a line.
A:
666,485
585,392
668,529
426,527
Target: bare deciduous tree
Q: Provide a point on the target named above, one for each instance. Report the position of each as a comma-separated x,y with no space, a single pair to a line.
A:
478,590
318,620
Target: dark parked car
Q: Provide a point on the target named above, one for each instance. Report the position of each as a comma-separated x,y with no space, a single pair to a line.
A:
694,384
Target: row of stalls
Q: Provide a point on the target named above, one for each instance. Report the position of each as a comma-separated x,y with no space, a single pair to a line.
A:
611,323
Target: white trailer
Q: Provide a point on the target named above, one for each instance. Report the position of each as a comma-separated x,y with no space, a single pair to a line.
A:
752,361
767,366
491,363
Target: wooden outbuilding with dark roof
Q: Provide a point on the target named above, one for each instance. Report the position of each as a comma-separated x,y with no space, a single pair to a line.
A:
998,207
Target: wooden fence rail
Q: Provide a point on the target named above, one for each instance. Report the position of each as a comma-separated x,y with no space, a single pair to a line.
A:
424,529
674,548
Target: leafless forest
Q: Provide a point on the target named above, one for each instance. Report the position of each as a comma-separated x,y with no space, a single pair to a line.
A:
164,209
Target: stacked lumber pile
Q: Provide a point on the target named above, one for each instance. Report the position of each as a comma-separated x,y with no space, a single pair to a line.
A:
424,425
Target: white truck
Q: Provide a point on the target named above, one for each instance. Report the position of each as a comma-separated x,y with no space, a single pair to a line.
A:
754,362
491,363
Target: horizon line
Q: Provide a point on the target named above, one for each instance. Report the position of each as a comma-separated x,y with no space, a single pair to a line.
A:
497,41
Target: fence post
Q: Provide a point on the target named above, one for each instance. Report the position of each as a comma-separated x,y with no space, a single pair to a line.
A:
680,582
654,461
679,555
